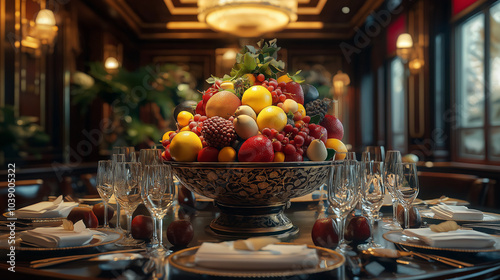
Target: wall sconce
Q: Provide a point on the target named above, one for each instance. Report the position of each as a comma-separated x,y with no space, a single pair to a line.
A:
42,32
111,63
404,46
340,82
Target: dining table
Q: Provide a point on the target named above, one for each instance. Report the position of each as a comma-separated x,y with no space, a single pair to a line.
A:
303,214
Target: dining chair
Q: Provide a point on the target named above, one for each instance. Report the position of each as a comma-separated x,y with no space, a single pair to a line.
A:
478,191
26,192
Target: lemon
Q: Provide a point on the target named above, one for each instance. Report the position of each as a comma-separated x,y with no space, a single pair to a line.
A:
227,154
302,110
183,118
338,146
257,97
185,146
166,136
227,85
272,117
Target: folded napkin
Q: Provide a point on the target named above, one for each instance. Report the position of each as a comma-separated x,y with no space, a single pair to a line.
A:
47,209
456,212
271,257
58,237
461,238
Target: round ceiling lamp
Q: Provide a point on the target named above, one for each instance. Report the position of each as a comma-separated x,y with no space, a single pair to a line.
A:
247,18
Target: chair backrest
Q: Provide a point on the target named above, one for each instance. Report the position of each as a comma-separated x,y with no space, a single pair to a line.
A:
26,192
477,191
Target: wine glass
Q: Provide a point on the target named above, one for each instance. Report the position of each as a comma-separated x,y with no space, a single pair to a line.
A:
115,158
128,176
150,157
104,185
157,192
372,194
406,187
129,153
391,160
375,153
342,194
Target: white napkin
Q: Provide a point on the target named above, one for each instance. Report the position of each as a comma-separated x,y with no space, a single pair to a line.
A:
456,212
47,209
271,257
54,237
460,238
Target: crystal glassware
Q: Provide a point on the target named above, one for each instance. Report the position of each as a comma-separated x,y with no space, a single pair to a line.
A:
104,185
157,192
372,193
375,153
406,187
343,194
128,176
392,159
115,158
128,152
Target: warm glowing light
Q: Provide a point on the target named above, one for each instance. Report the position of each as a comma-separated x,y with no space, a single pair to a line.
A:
340,82
404,45
45,17
415,65
247,18
346,10
111,63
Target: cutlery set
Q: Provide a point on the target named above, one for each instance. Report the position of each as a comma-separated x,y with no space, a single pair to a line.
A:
59,260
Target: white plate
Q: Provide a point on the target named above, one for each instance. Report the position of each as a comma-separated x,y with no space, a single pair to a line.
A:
487,217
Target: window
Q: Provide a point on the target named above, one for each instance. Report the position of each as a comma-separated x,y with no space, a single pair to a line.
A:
478,86
398,105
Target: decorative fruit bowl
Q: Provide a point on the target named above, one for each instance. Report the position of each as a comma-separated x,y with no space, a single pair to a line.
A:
252,196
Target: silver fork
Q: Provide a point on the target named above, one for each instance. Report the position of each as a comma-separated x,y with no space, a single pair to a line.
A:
445,260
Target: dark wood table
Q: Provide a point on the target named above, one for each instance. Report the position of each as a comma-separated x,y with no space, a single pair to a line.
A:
302,215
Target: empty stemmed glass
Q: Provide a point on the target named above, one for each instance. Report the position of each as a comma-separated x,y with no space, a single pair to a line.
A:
104,185
343,194
372,194
115,158
128,176
128,152
157,192
390,170
375,153
406,187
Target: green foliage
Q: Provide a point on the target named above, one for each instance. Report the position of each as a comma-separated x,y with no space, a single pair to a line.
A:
20,136
165,85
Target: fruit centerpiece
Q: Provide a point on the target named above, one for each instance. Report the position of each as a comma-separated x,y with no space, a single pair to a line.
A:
254,141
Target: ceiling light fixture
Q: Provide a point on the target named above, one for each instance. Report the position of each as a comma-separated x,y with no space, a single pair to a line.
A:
247,18
346,10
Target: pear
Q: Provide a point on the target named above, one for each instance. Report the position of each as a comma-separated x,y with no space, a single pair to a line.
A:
245,126
245,110
317,150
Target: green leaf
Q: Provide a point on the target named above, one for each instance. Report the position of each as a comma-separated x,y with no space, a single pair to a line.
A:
330,154
315,119
250,63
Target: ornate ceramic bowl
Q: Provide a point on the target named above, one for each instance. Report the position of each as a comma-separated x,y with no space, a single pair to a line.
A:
252,196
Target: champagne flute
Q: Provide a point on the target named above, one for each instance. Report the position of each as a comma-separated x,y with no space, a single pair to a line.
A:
128,176
104,185
342,194
372,194
116,158
391,160
157,192
406,187
150,157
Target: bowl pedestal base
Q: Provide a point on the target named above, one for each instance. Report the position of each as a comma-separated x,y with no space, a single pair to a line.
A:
238,222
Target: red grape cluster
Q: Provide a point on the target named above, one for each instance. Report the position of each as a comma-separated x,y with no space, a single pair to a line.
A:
278,91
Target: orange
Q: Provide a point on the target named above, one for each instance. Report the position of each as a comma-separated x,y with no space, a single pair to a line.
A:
284,79
227,154
279,157
185,146
338,146
302,110
257,97
183,118
272,117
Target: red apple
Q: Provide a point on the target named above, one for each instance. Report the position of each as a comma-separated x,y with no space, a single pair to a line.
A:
415,219
98,210
186,198
357,229
180,233
256,149
324,233
296,92
318,132
85,214
142,227
333,126
208,154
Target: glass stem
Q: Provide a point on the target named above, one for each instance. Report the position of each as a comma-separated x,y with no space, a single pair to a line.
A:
407,217
395,211
118,224
155,236
160,230
105,223
372,227
341,226
129,226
